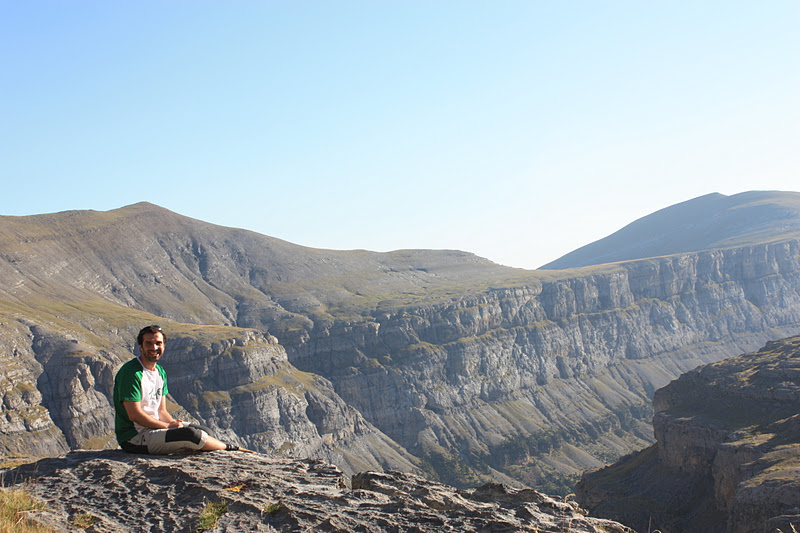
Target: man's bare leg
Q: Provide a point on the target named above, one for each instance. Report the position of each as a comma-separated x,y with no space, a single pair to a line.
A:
214,444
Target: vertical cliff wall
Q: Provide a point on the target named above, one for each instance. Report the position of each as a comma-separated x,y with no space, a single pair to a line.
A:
57,395
727,454
548,379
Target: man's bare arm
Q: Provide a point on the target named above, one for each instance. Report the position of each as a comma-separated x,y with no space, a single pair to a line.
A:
164,415
138,416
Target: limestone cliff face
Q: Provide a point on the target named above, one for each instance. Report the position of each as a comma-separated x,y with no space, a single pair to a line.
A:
245,390
521,372
55,392
241,386
726,457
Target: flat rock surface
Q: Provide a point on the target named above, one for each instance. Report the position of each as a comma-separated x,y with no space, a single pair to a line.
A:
126,492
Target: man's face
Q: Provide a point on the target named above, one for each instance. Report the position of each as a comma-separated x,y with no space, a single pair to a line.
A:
152,346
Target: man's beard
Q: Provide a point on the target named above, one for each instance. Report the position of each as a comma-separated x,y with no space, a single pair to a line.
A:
151,357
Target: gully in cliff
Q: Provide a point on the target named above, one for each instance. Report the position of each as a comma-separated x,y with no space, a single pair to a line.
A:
142,423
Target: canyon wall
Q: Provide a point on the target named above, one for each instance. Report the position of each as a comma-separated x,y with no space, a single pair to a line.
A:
58,395
547,379
727,454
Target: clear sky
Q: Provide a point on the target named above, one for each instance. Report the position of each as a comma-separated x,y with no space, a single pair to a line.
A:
516,130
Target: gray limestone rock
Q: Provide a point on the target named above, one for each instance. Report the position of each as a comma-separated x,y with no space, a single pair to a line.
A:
133,493
727,457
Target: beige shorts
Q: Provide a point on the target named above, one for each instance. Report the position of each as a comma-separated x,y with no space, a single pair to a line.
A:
166,441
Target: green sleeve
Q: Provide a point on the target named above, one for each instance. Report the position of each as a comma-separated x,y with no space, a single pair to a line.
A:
164,379
129,385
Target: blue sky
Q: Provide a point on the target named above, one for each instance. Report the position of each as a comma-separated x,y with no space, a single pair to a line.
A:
516,130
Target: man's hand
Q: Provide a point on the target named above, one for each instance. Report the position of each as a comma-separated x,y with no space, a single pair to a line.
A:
175,424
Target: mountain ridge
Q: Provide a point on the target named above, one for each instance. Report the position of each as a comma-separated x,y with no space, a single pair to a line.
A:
712,221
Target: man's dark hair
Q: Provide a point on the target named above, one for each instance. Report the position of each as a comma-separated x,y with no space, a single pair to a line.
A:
150,329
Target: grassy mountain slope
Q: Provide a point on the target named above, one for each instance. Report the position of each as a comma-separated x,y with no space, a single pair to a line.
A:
708,222
145,256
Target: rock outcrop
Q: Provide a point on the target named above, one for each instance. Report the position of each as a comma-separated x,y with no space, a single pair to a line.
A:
118,492
727,456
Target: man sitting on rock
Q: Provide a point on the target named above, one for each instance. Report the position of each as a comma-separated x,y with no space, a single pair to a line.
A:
142,423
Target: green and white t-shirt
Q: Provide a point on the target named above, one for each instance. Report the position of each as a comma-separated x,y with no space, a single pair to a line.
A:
137,384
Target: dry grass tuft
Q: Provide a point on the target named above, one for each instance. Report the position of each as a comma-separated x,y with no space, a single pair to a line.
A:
211,514
15,506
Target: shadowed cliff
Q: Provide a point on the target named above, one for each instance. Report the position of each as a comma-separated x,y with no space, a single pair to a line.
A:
727,457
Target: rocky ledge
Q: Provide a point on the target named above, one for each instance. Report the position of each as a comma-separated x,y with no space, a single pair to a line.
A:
727,456
124,492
